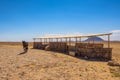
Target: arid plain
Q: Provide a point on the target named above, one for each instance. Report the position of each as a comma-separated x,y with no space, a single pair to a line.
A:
48,65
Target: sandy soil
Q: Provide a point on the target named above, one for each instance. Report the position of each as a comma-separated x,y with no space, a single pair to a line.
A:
46,65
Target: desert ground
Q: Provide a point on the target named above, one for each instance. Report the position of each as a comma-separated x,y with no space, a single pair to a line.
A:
48,65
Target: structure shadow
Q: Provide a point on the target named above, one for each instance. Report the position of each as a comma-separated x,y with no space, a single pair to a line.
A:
84,57
78,56
92,59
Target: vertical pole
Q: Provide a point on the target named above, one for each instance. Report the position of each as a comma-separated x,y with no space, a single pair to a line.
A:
69,41
66,40
61,39
75,45
69,44
49,40
34,40
108,41
34,43
80,39
93,41
89,40
52,39
44,40
66,45
57,39
40,40
76,40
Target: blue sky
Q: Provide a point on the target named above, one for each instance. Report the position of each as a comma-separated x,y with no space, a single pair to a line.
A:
25,19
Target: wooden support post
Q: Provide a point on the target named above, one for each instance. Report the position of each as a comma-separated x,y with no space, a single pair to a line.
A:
66,45
93,41
75,45
40,39
69,41
61,39
43,41
57,39
88,40
76,40
80,39
34,43
34,40
49,40
108,41
66,40
46,40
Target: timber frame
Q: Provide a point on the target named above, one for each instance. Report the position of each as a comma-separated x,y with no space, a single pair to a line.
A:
68,41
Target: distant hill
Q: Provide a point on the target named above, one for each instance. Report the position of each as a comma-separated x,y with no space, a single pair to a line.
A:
94,39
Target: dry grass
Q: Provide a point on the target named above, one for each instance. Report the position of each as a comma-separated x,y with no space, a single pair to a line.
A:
46,65
115,71
15,44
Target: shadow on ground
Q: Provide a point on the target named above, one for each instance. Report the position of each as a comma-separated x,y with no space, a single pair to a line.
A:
22,53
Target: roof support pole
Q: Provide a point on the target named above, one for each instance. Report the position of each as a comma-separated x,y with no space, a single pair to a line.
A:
43,40
49,40
34,43
75,44
61,39
66,45
69,41
66,40
76,40
34,40
108,41
80,39
40,40
46,40
69,44
57,39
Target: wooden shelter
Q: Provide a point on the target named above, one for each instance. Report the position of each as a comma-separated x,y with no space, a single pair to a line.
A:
75,44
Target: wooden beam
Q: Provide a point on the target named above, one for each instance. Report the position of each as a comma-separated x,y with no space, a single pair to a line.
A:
82,36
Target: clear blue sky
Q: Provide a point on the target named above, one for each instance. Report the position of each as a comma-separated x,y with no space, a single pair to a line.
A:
25,19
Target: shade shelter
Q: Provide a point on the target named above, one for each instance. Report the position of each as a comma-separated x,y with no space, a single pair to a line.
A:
75,43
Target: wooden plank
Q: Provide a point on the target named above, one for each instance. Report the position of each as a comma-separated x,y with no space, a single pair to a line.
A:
74,36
